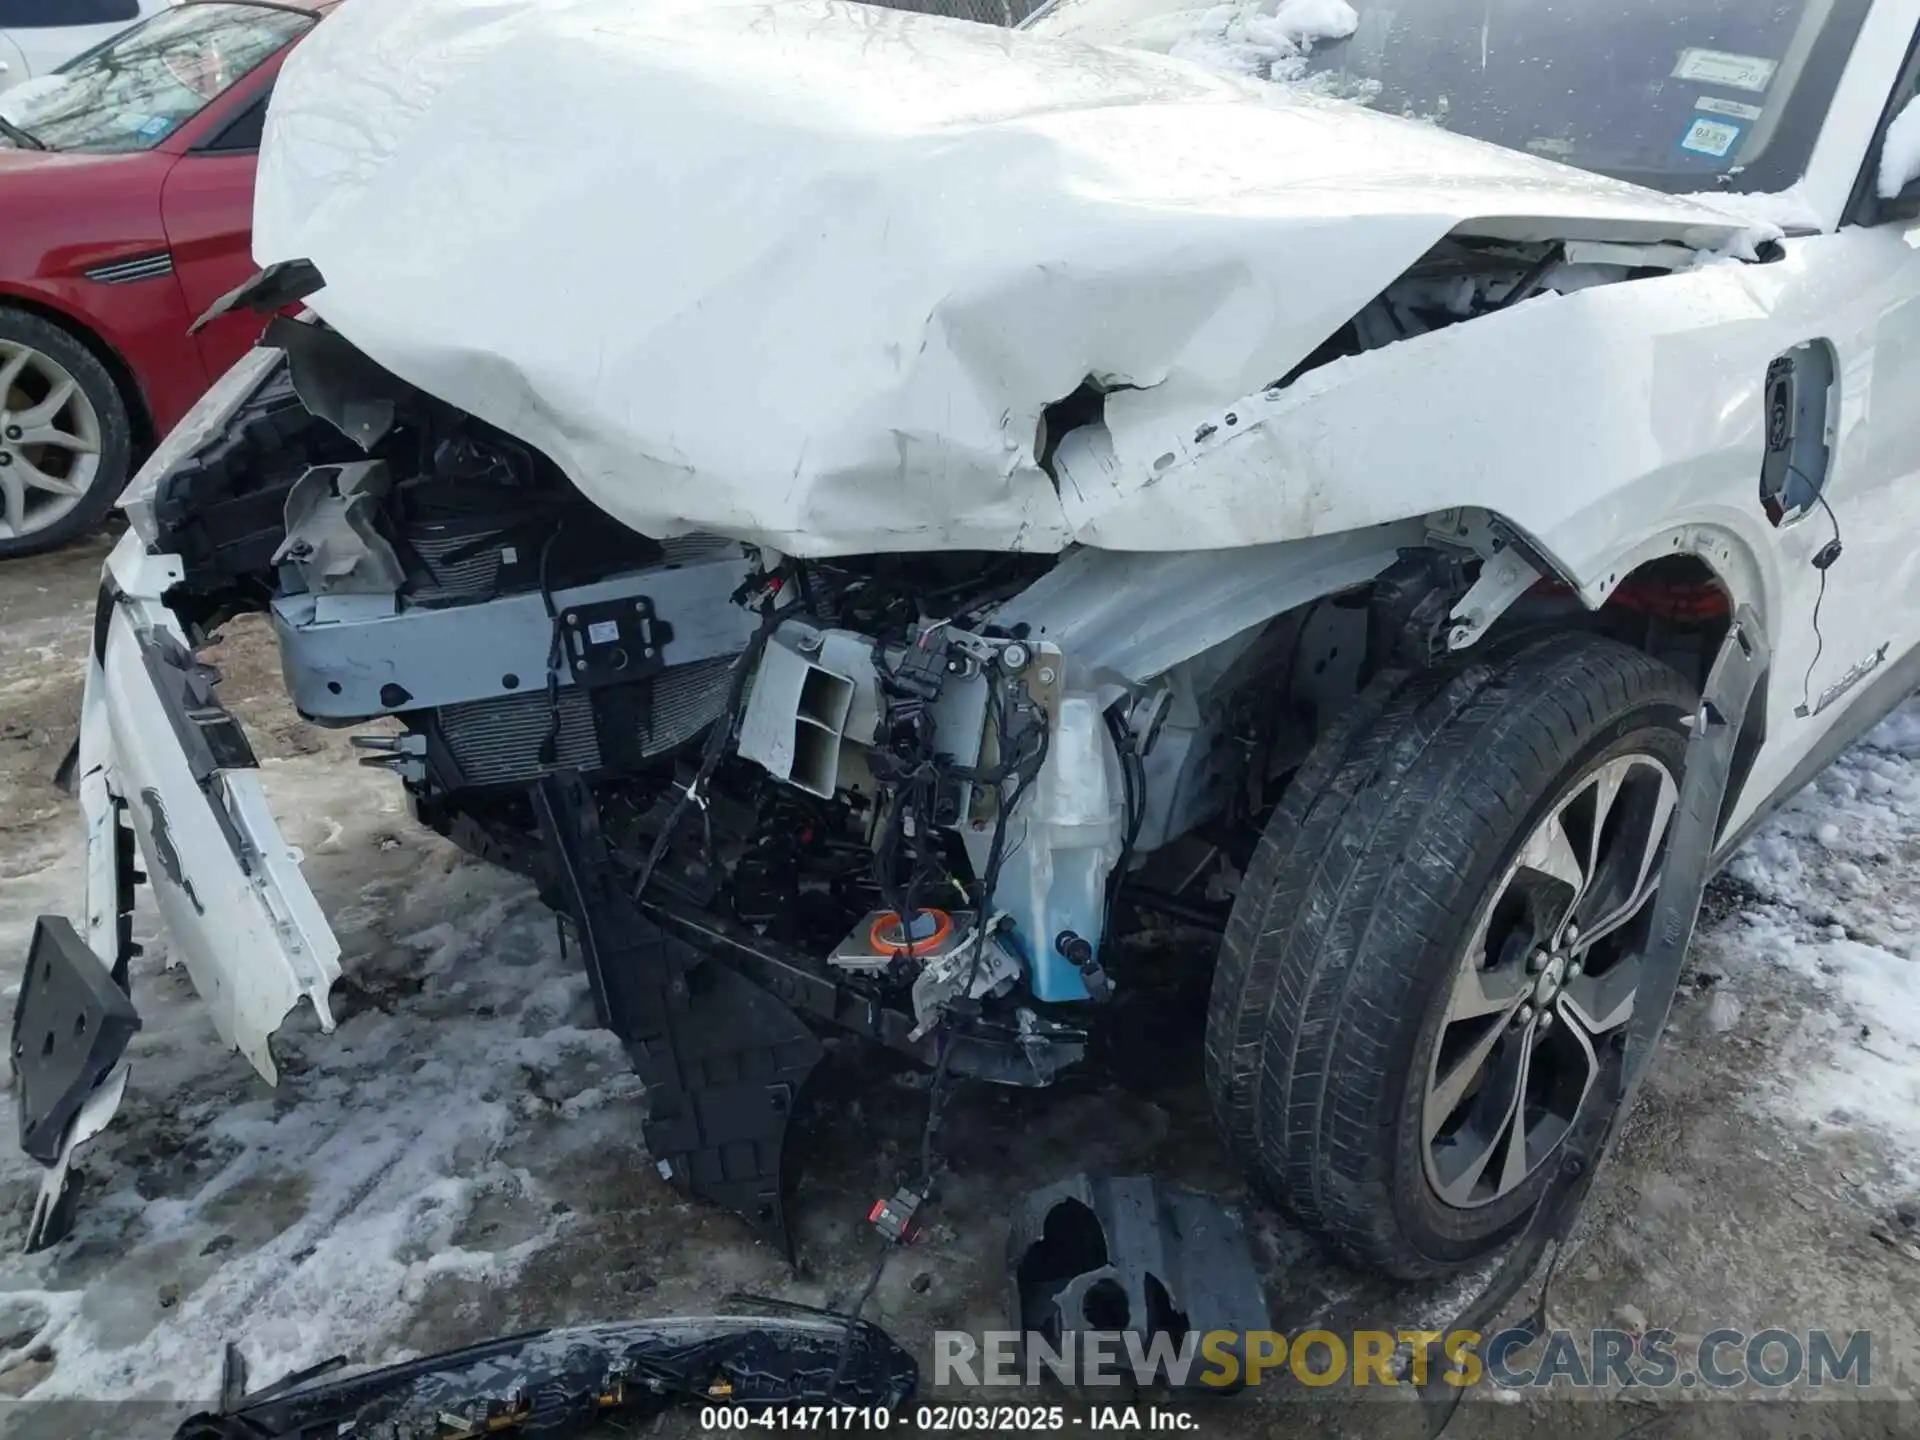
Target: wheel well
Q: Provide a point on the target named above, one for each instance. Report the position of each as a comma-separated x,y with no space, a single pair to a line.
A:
144,438
1311,665
1675,608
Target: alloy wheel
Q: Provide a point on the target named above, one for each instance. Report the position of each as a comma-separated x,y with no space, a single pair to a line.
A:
1544,984
49,441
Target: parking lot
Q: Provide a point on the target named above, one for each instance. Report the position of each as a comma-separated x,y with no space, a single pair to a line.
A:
462,1157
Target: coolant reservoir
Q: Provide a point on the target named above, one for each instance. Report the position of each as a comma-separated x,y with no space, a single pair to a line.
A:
1061,847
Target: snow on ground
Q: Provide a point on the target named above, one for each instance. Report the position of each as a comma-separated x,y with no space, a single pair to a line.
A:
461,1157
384,1154
1833,907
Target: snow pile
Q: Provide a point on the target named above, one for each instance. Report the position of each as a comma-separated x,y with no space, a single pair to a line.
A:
1254,38
1864,1046
1900,156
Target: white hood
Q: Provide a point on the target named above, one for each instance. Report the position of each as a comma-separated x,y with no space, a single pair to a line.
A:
807,274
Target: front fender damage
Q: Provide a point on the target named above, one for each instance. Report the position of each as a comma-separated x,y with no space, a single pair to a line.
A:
1612,417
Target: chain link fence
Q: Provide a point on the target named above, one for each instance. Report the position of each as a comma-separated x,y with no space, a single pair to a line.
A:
987,12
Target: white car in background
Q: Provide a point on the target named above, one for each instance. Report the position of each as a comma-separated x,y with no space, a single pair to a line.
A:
37,37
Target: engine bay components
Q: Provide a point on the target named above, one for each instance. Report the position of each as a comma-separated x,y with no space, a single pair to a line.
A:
918,797
412,655
883,938
333,540
976,967
971,732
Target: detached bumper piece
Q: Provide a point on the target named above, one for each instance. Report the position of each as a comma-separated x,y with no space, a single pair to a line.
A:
723,1060
71,1025
1116,1255
560,1382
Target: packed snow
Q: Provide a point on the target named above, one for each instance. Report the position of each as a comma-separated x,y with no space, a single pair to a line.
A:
1834,915
308,1218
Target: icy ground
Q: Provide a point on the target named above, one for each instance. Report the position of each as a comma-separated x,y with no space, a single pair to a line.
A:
461,1157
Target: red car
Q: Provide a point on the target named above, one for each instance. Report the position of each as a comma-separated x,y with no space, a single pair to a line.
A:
126,187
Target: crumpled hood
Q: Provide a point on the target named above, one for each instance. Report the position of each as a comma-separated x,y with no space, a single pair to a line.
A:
809,273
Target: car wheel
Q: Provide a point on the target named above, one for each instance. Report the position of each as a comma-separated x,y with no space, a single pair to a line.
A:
65,436
1430,964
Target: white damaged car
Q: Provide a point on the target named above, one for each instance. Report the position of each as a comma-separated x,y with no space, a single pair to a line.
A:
874,512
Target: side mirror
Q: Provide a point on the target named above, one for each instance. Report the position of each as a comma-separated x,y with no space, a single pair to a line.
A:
1899,187
1904,206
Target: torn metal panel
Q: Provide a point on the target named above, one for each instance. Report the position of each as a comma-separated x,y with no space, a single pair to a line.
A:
274,288
336,381
1592,422
874,248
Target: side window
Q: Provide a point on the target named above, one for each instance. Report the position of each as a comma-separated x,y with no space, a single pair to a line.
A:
54,14
244,130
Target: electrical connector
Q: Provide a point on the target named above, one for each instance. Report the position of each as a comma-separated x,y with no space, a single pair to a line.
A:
893,1218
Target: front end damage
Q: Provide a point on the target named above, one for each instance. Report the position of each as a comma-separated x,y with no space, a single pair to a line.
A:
921,799
891,796
892,688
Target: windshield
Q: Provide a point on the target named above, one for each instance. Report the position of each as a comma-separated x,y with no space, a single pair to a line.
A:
141,86
1680,95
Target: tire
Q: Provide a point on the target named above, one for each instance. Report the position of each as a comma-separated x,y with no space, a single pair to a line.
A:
88,450
1409,932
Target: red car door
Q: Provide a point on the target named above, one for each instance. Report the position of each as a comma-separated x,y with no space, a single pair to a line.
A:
207,206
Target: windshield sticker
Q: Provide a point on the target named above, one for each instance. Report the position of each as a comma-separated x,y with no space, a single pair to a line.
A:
153,127
1717,67
1739,110
1711,137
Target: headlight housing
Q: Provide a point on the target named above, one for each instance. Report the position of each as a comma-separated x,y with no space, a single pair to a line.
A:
196,427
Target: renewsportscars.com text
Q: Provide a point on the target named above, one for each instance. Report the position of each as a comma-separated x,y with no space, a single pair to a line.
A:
1224,1359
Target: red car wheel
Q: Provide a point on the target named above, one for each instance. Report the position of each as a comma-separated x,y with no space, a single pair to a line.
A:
65,439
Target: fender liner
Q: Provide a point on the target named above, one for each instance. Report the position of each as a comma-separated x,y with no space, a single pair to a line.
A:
723,1060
